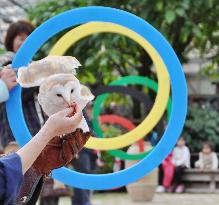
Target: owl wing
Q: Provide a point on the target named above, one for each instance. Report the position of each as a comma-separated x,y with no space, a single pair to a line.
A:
36,72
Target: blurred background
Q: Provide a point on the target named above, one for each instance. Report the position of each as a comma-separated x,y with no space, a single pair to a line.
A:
192,28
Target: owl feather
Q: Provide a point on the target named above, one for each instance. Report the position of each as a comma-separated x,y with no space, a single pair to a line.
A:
36,72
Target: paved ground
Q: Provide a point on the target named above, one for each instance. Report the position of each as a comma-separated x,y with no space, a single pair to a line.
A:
159,199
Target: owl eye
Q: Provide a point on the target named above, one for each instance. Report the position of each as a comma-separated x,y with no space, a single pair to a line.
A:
72,90
58,95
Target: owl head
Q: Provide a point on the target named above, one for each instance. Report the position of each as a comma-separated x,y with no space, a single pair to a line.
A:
59,88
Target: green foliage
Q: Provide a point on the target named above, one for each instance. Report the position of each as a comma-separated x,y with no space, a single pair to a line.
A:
120,99
2,51
186,24
202,125
110,131
108,161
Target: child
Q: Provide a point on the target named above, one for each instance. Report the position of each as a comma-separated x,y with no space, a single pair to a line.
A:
207,158
168,169
166,174
181,161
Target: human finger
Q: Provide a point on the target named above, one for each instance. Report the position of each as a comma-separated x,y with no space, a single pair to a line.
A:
66,112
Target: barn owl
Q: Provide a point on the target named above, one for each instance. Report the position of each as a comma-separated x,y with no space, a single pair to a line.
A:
59,88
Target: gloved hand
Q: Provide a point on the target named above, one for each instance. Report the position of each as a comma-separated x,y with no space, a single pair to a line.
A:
60,151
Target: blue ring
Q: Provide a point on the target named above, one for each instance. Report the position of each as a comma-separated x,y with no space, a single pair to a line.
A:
179,93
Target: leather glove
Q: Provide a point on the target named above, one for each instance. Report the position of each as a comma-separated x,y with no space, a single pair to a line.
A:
60,151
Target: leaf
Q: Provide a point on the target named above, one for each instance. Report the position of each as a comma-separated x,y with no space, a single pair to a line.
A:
185,4
170,16
103,61
197,31
159,6
115,56
210,2
88,78
185,31
89,61
180,12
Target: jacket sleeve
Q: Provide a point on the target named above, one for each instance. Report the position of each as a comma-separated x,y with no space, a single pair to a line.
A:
215,161
11,178
4,93
199,163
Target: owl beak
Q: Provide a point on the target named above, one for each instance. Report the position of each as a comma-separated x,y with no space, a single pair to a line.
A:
67,98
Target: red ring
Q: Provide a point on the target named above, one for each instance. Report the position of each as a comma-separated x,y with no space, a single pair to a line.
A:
115,119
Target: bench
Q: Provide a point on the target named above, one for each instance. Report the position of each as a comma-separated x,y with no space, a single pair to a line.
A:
201,181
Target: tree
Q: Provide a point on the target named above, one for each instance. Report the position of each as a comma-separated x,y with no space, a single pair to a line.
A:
201,126
187,24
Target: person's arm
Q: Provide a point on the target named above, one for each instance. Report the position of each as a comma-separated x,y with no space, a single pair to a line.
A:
57,124
185,158
11,178
214,161
199,163
13,166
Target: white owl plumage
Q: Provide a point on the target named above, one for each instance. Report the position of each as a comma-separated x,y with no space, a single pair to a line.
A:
59,87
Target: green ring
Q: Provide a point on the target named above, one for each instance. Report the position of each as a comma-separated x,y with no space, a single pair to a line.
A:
128,80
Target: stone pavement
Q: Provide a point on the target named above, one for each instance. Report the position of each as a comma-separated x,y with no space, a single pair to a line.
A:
159,199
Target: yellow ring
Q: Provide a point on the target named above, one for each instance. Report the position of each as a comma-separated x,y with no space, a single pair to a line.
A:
70,38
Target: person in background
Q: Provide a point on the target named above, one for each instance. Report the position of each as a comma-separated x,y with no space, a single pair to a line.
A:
7,82
15,165
34,117
207,158
15,36
160,188
85,163
167,174
181,161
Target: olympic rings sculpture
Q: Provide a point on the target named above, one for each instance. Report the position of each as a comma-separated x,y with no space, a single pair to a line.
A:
125,123
163,82
139,80
141,97
161,53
